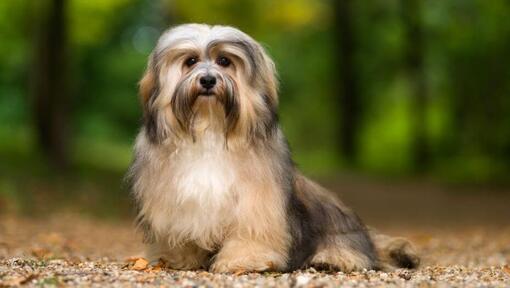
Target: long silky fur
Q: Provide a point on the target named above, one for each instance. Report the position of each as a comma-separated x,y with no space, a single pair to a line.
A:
244,205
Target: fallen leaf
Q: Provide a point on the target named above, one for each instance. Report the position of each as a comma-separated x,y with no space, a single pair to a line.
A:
506,269
41,252
140,264
132,259
29,278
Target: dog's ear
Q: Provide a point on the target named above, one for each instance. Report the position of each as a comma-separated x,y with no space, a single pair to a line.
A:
267,73
267,78
271,80
148,90
148,84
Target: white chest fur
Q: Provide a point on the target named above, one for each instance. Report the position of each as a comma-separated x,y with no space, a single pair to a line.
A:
188,193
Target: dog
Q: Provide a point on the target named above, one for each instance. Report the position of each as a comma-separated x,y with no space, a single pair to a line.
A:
213,177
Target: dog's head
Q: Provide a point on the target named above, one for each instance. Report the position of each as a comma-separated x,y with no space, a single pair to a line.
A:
200,73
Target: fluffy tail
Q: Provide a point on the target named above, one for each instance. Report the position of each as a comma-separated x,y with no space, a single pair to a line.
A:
394,252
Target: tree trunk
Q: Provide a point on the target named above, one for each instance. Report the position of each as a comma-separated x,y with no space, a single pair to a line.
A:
348,93
414,64
50,110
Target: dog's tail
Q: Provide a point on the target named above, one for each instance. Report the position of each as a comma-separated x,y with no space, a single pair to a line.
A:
394,252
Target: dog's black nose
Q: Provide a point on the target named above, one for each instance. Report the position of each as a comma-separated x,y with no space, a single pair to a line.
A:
208,81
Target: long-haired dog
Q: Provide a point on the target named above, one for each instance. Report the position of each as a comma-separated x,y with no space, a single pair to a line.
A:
212,174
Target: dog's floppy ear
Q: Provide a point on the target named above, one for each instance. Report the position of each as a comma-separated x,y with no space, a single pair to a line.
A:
148,84
271,78
149,88
267,73
267,81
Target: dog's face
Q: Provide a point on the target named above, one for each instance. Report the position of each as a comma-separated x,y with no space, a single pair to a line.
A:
218,71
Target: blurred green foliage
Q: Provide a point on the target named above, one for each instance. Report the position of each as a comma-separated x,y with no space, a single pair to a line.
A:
467,68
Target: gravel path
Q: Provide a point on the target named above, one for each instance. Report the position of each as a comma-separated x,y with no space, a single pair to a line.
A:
74,251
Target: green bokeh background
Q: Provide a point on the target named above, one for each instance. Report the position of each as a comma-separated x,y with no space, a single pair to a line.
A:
466,51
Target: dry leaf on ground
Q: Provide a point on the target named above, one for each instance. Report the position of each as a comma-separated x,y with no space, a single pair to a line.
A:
41,252
140,264
132,259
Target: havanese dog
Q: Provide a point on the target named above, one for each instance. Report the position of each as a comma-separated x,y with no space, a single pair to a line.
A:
213,177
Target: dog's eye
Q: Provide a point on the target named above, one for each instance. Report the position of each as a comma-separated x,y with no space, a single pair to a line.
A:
191,61
223,61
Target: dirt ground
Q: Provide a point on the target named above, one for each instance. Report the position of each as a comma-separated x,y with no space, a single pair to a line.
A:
464,240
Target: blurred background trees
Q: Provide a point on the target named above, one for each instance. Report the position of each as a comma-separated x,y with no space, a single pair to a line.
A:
49,80
384,87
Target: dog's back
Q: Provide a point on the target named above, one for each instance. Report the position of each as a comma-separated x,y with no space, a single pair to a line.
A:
337,237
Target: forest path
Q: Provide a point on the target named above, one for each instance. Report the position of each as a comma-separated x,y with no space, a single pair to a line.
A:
68,250
464,239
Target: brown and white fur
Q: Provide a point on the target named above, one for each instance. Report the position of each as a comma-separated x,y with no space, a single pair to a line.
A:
212,174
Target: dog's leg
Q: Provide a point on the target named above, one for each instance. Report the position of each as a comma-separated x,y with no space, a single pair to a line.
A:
249,255
183,257
260,239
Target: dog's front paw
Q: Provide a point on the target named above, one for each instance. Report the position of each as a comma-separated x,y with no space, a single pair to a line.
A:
184,257
239,256
241,265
